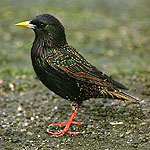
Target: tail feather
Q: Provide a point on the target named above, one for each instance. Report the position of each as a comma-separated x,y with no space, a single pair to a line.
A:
123,95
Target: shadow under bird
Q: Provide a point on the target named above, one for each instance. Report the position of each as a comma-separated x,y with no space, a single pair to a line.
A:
64,71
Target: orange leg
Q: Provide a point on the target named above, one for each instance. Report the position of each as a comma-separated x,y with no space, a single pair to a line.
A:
66,124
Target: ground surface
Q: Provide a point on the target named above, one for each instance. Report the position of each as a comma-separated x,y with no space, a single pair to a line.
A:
112,35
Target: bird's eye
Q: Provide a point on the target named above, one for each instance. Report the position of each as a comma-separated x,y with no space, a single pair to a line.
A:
42,25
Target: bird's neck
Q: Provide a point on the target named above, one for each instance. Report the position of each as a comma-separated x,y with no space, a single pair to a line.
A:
42,45
54,39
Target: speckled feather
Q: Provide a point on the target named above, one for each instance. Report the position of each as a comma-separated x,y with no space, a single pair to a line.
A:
64,71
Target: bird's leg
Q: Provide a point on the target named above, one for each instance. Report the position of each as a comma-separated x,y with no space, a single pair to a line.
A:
67,124
74,106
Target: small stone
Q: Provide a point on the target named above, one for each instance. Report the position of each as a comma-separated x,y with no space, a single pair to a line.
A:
142,102
32,118
116,123
121,135
30,133
37,117
23,130
47,118
19,114
17,119
11,85
25,124
39,136
19,108
143,123
128,132
55,107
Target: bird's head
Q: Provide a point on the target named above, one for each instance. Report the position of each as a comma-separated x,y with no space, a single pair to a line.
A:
46,27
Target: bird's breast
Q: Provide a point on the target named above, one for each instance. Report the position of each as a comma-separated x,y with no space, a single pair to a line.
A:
60,83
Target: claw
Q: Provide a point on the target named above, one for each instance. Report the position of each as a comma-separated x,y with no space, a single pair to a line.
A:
61,133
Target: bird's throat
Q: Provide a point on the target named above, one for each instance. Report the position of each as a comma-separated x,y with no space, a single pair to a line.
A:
44,43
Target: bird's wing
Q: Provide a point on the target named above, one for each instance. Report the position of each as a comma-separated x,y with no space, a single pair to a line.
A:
78,68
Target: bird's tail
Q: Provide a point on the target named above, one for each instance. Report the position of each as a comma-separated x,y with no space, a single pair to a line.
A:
123,96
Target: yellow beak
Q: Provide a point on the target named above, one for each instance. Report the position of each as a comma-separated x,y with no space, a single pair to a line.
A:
26,24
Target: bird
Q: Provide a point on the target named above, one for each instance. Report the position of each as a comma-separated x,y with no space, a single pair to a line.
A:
63,70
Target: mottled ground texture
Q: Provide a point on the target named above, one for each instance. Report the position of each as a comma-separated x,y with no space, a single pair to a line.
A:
112,35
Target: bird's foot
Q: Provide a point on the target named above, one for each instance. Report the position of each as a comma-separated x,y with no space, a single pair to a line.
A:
61,133
62,124
66,124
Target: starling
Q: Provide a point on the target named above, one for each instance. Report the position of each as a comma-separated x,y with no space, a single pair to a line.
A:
65,72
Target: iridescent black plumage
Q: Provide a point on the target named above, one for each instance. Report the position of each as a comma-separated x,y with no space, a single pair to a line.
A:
63,70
